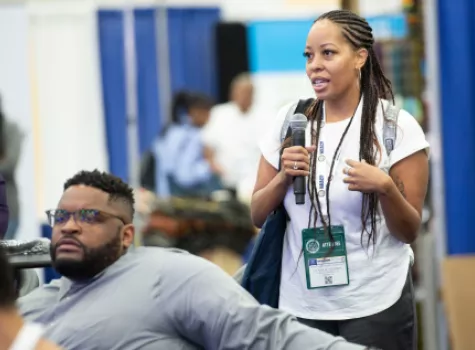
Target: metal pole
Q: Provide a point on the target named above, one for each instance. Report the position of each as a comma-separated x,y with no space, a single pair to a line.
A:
429,288
163,57
132,111
437,336
131,86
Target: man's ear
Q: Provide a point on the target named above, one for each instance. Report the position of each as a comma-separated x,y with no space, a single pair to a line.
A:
361,58
128,235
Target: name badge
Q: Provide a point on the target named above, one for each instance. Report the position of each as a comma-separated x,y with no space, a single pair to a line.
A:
326,263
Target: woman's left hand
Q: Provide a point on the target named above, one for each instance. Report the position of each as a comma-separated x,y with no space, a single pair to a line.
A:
365,178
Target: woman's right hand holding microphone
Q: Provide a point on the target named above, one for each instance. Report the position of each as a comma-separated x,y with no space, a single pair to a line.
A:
295,161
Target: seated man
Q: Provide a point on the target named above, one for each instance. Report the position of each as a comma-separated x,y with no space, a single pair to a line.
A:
113,296
15,334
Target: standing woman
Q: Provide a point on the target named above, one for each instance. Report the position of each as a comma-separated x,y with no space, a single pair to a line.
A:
362,201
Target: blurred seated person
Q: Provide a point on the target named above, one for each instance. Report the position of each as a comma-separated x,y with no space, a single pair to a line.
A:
15,333
176,165
162,228
231,137
10,151
114,296
4,213
219,231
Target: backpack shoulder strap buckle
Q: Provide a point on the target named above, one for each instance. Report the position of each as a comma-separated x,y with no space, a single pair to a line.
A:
390,127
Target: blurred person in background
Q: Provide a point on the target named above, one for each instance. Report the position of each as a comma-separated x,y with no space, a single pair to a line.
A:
231,137
364,200
176,165
4,212
115,296
15,333
218,231
10,150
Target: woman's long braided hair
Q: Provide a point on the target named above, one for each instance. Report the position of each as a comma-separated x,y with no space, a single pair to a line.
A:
374,85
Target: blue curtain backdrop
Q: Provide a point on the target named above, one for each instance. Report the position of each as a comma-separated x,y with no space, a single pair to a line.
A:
457,57
192,49
192,66
149,120
112,58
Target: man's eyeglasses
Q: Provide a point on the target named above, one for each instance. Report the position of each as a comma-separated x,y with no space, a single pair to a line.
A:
83,216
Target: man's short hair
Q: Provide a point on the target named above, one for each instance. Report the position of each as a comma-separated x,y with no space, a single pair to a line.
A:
117,189
8,292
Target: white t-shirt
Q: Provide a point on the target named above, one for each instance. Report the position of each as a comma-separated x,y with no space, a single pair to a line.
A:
234,138
377,276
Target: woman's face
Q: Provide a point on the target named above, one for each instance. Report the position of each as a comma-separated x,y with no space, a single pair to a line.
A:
332,65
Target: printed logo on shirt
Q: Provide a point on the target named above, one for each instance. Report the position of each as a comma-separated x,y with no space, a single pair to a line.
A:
321,147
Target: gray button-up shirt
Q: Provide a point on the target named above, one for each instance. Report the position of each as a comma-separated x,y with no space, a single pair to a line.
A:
155,298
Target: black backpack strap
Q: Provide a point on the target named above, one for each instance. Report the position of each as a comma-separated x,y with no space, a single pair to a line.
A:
301,107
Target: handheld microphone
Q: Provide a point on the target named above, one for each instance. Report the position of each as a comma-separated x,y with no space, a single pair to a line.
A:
298,124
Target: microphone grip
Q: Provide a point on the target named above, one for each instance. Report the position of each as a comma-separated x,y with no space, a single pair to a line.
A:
298,139
299,189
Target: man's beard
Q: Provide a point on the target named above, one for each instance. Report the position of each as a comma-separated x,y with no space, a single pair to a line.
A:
93,262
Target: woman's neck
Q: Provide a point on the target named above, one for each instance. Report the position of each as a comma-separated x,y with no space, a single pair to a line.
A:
10,325
343,107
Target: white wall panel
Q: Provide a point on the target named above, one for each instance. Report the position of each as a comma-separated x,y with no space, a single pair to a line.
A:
234,10
67,87
275,89
15,92
375,8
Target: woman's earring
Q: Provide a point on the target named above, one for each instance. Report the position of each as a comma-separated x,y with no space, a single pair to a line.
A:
359,72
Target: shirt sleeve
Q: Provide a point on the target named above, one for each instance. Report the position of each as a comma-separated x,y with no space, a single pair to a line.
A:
207,307
410,138
271,143
191,167
211,129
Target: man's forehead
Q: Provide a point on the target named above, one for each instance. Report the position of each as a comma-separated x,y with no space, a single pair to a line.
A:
244,85
82,196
